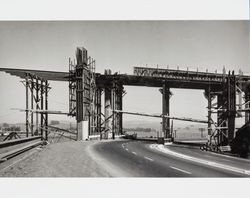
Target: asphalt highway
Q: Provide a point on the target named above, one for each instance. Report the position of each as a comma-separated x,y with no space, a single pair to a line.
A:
142,159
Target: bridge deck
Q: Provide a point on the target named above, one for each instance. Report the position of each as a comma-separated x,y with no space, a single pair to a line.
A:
151,77
149,81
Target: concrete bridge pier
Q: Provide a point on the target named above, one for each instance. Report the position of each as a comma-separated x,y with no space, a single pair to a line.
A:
98,109
247,105
107,113
113,101
82,94
119,103
231,105
166,94
209,98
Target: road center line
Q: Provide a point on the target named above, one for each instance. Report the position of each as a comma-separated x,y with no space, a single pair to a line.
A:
148,158
126,149
134,153
180,170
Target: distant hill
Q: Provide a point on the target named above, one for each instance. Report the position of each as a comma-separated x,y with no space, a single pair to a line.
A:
142,124
185,130
62,124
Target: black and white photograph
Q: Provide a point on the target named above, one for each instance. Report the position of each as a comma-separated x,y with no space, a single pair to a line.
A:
125,98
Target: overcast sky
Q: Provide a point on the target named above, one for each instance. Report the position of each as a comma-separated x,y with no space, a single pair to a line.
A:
119,46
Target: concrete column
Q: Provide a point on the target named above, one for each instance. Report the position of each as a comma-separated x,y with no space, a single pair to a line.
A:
165,111
231,106
209,115
114,107
119,107
98,110
107,112
81,115
247,106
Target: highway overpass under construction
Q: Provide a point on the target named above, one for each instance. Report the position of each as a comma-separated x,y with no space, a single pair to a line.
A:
86,87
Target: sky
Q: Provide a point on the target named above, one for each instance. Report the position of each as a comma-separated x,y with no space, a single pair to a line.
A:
119,46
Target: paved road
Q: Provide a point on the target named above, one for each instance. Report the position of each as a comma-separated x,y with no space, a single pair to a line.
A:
138,159
121,158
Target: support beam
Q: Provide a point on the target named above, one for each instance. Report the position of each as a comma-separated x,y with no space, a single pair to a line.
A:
164,116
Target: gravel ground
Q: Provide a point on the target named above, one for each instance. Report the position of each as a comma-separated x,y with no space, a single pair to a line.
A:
66,159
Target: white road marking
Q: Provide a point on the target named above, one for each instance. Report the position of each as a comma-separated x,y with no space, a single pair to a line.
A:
123,145
180,170
201,161
148,158
134,153
168,143
126,149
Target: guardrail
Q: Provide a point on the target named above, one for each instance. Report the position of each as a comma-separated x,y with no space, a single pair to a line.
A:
198,144
18,141
14,152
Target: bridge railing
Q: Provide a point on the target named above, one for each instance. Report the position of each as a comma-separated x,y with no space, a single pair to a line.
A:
182,74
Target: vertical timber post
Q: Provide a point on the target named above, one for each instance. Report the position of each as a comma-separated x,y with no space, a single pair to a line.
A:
113,106
27,105
46,108
41,108
37,105
220,120
121,108
32,106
